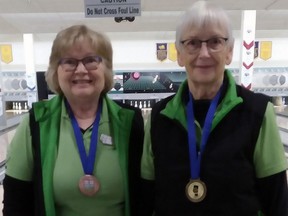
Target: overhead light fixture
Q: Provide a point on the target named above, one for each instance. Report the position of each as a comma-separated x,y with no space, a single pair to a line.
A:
130,19
120,19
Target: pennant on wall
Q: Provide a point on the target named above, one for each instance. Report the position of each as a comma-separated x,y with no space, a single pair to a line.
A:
161,51
265,50
6,53
172,54
256,49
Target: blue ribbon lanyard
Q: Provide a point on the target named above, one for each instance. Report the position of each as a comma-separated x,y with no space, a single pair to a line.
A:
87,160
195,158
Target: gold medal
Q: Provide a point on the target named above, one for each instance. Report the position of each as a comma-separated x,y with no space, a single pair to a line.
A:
196,190
89,185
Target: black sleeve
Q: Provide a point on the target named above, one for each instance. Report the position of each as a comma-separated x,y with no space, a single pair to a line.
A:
273,194
18,197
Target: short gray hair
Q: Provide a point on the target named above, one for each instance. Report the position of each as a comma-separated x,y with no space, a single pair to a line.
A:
201,14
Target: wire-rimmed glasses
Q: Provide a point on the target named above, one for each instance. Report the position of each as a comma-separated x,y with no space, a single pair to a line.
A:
215,44
89,62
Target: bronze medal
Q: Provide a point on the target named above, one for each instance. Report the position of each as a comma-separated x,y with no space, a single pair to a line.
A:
89,185
196,190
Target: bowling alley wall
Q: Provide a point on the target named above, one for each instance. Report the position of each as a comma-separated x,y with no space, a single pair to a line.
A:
141,77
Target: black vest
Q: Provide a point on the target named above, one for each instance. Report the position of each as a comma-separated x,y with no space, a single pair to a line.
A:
226,167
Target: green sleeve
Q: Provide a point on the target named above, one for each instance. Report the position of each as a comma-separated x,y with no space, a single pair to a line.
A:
147,165
269,155
19,161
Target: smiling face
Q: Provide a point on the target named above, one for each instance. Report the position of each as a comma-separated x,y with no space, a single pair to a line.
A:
73,47
81,83
205,67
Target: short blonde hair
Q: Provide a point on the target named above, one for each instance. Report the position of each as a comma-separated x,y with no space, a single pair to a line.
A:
65,40
204,14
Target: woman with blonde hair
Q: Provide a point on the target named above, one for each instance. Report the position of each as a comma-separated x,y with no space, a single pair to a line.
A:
79,152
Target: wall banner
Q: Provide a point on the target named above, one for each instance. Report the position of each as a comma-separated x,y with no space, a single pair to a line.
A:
6,53
172,54
161,51
265,50
256,49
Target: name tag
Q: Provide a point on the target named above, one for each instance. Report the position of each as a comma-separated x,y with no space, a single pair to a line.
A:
107,140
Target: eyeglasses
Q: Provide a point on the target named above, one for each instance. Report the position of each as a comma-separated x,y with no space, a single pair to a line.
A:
89,62
213,44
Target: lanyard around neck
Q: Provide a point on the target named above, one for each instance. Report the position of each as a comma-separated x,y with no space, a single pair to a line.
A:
87,160
195,157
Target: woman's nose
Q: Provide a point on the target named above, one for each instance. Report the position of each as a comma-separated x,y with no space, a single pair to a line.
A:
80,67
204,51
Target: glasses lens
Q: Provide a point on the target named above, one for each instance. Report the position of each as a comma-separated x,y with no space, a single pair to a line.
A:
192,45
216,44
68,64
91,62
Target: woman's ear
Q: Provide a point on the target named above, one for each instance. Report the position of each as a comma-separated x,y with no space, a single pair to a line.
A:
229,56
180,59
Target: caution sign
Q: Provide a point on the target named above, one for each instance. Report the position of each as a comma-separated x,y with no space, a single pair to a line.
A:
112,8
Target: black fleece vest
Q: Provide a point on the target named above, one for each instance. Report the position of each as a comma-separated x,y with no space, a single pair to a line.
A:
226,167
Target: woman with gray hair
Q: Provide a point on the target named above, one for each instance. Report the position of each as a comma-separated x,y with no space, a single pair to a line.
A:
79,152
213,148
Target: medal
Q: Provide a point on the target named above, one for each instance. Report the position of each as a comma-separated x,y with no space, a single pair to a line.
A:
89,185
196,190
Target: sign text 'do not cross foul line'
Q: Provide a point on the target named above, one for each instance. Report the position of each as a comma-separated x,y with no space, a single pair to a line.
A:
112,8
